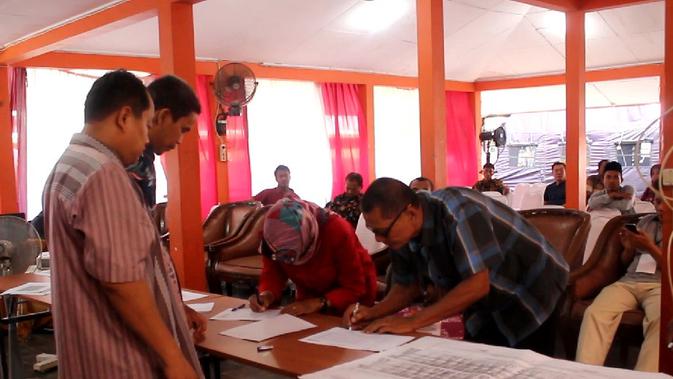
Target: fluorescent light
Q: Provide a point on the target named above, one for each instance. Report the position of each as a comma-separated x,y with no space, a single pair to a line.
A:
374,16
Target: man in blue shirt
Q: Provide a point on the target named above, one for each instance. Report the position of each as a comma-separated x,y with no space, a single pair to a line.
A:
555,193
486,259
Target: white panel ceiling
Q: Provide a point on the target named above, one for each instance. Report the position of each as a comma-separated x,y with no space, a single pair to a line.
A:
483,38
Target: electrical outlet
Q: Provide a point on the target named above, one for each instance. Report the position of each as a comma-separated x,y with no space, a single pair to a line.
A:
667,176
223,153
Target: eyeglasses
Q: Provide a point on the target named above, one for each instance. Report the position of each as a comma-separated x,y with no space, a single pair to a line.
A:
281,255
384,233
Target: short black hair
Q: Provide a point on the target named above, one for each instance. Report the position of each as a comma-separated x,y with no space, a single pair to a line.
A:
389,195
281,168
172,93
355,177
489,165
556,164
112,91
601,162
655,167
423,179
613,166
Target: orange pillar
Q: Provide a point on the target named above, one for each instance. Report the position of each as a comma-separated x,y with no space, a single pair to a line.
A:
8,198
576,147
176,37
476,108
367,102
221,168
430,23
666,144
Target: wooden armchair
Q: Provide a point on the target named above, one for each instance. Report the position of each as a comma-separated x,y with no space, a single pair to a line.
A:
603,268
225,220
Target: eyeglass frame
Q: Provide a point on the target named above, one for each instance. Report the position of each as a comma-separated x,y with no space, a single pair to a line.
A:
386,232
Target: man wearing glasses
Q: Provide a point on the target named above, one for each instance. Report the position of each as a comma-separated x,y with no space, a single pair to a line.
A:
488,262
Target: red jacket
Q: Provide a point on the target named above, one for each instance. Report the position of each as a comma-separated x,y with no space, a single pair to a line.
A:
341,270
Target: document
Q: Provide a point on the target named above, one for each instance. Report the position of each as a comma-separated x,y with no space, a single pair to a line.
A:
30,288
245,314
432,357
646,264
189,296
202,307
263,330
357,340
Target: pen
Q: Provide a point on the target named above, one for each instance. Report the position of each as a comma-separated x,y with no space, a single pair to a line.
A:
355,310
234,309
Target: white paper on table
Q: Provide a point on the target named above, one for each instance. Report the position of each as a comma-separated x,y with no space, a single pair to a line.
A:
189,296
245,314
357,340
30,288
646,264
432,329
263,330
202,307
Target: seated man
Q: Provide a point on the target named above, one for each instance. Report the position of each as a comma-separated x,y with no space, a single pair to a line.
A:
648,194
595,182
422,184
489,183
555,193
485,260
347,205
640,287
271,195
613,195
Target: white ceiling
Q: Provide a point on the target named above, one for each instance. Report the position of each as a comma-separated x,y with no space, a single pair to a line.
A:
483,38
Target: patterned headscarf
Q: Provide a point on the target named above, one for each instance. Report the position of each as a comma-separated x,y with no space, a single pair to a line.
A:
291,227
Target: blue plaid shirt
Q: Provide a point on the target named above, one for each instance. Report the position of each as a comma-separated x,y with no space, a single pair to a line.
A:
464,233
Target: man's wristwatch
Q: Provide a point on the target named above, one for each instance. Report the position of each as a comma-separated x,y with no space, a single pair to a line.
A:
324,303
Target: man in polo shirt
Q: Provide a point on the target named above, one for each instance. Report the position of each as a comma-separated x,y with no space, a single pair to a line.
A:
491,265
555,193
613,195
269,196
116,305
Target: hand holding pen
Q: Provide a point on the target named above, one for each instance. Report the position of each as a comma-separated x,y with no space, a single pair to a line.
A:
355,311
260,302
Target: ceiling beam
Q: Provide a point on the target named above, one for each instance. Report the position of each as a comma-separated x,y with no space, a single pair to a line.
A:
557,5
597,5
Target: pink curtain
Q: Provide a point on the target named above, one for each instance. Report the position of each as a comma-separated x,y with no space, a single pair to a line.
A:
238,165
207,155
461,140
17,104
347,132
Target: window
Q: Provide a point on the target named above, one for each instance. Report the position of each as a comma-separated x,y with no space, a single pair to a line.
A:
630,152
522,155
562,152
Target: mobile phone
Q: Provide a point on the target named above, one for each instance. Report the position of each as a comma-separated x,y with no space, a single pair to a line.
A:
631,228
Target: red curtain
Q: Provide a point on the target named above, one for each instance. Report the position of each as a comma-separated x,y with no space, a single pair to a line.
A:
207,155
347,132
240,185
17,104
461,140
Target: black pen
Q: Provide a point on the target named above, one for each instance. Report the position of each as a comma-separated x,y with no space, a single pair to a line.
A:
234,309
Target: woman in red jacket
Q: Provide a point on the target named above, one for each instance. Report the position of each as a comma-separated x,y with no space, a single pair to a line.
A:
319,252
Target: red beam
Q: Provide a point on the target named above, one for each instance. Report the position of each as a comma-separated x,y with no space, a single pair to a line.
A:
8,197
597,5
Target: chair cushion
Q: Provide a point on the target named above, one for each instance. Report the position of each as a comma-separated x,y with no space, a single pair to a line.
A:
249,266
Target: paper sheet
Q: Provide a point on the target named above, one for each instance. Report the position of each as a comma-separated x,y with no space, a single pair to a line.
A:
202,307
646,264
432,357
30,288
189,296
263,330
245,314
357,340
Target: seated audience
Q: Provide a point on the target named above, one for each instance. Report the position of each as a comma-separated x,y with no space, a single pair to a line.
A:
648,194
489,183
422,184
639,288
347,205
555,193
272,195
319,252
473,250
595,182
613,195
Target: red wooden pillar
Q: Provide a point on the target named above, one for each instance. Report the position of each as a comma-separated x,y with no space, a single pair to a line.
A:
475,101
176,37
576,149
430,24
666,144
8,196
366,95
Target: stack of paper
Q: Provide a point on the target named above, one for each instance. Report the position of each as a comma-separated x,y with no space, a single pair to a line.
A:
189,296
262,330
202,307
31,288
351,339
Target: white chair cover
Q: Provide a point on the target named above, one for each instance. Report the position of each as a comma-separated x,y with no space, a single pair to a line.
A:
495,195
367,238
599,218
643,207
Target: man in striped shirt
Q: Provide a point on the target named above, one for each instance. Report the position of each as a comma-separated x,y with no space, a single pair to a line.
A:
488,262
116,305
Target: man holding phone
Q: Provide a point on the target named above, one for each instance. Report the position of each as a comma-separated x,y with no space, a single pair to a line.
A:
640,287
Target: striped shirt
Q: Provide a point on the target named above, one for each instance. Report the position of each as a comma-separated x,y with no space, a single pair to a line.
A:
100,232
464,233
